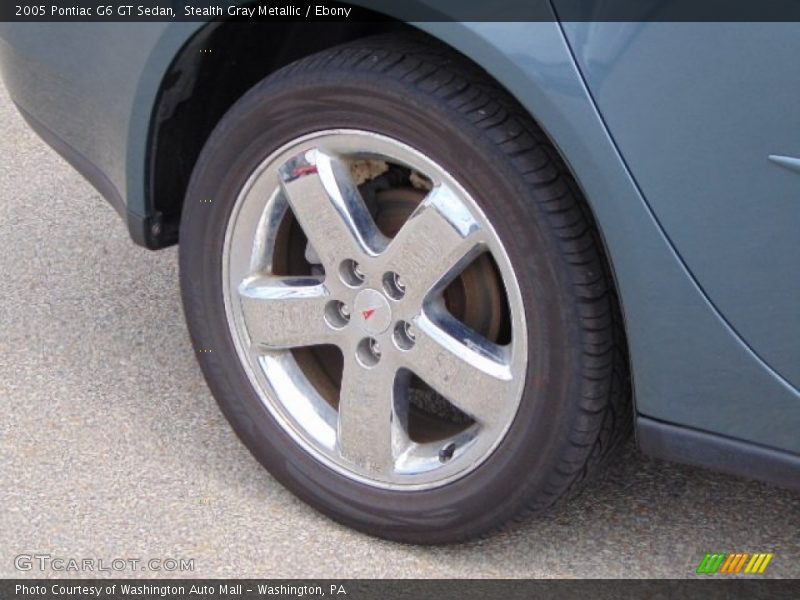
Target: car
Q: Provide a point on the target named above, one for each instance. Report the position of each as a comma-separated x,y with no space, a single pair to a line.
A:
435,273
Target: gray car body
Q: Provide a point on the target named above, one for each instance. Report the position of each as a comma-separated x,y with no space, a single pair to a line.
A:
668,128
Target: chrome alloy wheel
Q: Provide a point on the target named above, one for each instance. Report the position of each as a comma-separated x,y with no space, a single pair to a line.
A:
358,337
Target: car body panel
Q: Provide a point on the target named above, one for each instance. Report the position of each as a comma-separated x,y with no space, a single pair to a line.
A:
84,96
698,138
690,367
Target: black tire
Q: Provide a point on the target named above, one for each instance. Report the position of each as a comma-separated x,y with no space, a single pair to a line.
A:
575,406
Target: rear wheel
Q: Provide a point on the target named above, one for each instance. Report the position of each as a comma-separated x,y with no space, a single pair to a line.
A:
397,295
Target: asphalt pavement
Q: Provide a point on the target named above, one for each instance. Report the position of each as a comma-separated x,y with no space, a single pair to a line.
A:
112,447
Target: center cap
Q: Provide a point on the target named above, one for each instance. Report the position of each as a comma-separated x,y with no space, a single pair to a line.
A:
372,312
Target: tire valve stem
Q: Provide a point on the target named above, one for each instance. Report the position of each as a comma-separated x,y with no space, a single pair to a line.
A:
446,453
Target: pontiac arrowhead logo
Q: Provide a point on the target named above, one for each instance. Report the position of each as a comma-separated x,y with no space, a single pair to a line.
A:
367,313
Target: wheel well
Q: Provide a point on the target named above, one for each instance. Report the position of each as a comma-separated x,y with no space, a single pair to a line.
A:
213,70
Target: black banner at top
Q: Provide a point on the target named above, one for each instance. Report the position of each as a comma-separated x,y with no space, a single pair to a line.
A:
403,10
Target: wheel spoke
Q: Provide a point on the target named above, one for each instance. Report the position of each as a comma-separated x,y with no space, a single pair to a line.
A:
285,312
470,371
369,425
329,207
438,237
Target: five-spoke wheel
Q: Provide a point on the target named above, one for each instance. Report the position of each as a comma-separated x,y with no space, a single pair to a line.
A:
378,297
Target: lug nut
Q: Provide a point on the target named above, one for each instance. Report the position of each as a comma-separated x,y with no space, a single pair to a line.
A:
368,352
394,285
337,315
358,272
375,348
344,311
351,273
404,336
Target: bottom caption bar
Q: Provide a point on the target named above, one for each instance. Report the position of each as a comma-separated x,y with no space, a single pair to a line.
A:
411,589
